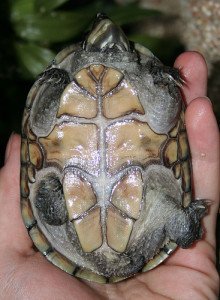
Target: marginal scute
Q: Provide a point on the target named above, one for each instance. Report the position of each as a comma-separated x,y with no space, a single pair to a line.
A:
122,102
24,182
24,151
35,154
187,198
61,262
177,170
84,79
75,103
97,70
118,230
182,121
114,279
186,178
132,142
89,230
27,213
26,131
73,144
127,194
91,276
31,173
183,145
110,80
31,96
65,53
170,153
143,50
30,134
173,133
39,240
78,194
160,257
24,123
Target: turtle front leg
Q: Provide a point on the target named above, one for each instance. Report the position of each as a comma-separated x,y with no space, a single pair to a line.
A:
164,74
185,225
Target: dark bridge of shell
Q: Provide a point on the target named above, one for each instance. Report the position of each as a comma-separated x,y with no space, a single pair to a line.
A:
102,154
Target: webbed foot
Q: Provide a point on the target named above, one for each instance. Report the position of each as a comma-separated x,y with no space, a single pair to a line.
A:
185,227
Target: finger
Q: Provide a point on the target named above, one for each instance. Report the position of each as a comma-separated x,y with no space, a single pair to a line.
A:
8,148
203,137
194,71
13,232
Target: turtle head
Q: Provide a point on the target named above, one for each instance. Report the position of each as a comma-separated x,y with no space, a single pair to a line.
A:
106,35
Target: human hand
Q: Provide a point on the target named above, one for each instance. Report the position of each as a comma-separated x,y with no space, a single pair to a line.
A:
187,274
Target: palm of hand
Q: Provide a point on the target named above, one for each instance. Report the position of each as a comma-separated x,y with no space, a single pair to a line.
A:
25,274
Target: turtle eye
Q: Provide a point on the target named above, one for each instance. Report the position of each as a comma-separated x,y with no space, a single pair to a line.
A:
106,35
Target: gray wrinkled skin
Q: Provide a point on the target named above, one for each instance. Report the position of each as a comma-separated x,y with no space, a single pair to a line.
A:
162,214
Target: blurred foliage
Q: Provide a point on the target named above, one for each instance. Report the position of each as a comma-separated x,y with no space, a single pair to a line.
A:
33,31
41,28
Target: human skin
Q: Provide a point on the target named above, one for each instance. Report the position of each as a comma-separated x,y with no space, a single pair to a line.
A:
186,274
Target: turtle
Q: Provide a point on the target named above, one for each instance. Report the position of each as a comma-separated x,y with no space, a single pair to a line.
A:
106,188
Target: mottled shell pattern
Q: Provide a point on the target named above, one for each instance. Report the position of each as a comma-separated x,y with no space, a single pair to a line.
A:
105,163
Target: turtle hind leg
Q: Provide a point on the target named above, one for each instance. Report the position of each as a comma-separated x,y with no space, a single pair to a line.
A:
50,201
185,227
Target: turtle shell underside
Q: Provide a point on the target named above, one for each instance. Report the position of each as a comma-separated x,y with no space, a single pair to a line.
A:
105,163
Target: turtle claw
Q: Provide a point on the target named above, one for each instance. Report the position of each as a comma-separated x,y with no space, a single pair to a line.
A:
186,228
174,75
198,208
165,74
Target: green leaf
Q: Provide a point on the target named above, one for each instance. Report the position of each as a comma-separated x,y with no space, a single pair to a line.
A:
129,14
43,6
32,58
150,42
54,27
20,8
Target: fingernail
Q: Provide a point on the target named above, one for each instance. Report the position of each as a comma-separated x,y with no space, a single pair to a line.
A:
207,98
